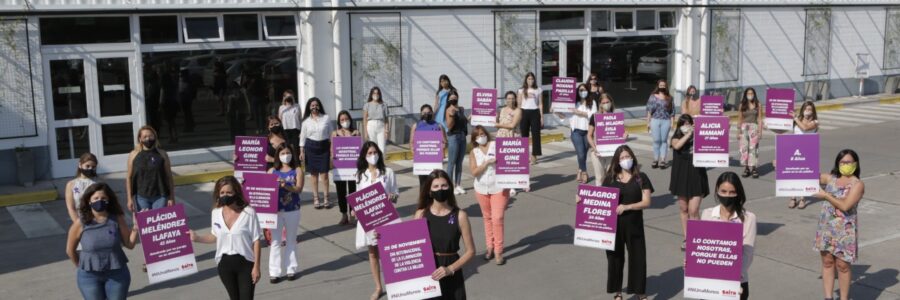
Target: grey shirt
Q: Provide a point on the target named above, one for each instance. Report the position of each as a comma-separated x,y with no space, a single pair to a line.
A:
376,110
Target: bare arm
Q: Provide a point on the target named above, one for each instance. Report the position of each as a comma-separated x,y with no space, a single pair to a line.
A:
476,169
72,242
469,243
70,203
847,203
204,239
677,143
412,136
129,236
254,275
365,121
128,191
299,181
645,201
590,136
169,177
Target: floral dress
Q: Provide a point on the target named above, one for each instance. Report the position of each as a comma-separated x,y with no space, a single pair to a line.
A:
506,116
837,229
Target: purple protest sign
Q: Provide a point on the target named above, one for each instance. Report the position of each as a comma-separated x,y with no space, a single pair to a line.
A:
713,253
344,152
261,192
165,236
407,260
250,154
609,132
373,207
484,107
512,166
595,217
428,152
712,105
562,97
779,109
797,171
711,141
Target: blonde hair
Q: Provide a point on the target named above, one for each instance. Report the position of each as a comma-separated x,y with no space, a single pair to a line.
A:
137,146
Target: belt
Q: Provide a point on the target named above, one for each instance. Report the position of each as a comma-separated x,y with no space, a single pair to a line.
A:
445,254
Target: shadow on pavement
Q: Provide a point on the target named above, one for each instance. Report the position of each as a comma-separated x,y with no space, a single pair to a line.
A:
184,281
763,228
548,180
337,264
879,281
559,234
662,201
666,285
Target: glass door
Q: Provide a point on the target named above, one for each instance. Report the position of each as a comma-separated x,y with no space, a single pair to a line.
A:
91,109
561,56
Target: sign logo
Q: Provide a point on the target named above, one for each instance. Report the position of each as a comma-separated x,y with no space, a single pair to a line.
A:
187,266
429,288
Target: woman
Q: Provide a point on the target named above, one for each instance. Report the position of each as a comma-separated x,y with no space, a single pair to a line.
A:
375,119
687,183
508,121
370,169
315,147
102,232
276,140
283,255
634,196
594,87
446,225
600,163
84,177
805,122
426,123
289,113
660,116
345,128
836,237
149,183
691,103
531,100
730,193
492,199
579,120
750,119
235,230
440,99
457,127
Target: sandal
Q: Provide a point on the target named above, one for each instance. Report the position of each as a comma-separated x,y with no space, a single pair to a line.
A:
316,203
328,204
683,245
801,204
617,297
746,172
344,220
792,203
488,255
754,173
663,165
654,165
500,261
377,295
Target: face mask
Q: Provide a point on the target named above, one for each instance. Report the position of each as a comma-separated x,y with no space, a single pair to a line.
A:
727,201
285,158
481,140
376,97
605,106
685,129
89,172
807,114
583,94
276,129
427,116
149,143
345,125
750,97
690,95
372,159
453,102
314,109
226,200
848,169
440,195
99,206
626,164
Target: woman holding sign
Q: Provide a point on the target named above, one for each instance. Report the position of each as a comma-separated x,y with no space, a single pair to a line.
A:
492,199
579,120
806,122
446,225
426,123
370,169
315,148
282,256
457,127
634,196
730,193
102,232
531,100
508,121
836,238
149,183
599,163
688,183
345,128
660,116
375,119
235,230
750,119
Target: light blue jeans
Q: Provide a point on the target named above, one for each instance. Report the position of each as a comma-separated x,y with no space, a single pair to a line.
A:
457,149
149,203
659,131
102,285
580,142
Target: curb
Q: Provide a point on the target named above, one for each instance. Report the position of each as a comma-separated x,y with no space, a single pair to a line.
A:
28,198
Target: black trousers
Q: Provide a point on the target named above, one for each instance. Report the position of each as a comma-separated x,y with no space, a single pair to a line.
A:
746,294
234,271
530,126
629,235
344,188
293,138
422,179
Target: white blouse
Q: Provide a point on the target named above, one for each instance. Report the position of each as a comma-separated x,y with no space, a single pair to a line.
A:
530,100
579,122
290,116
389,180
486,182
240,238
316,129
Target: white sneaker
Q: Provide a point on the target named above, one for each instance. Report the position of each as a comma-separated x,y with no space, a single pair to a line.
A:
459,191
512,192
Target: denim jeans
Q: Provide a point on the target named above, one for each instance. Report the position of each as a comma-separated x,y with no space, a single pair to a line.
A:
457,148
149,203
579,140
101,285
659,130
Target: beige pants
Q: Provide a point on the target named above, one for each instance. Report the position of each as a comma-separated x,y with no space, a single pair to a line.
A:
600,165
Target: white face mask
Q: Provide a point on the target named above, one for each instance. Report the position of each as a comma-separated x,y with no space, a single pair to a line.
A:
345,124
583,94
376,97
481,140
285,158
606,106
626,164
372,159
686,128
807,114
750,97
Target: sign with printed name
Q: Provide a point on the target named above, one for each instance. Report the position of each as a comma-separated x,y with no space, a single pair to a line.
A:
166,239
250,154
345,152
563,94
712,105
428,152
595,217
373,207
407,261
484,107
797,171
779,109
261,192
512,166
609,132
711,141
713,252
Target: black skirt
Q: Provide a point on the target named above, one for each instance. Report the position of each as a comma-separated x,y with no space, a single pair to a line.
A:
452,287
316,155
686,180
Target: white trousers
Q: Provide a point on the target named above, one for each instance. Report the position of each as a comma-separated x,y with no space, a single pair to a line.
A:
283,252
600,165
375,133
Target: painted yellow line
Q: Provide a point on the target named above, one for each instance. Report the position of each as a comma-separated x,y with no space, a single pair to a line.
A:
892,100
28,197
828,107
201,177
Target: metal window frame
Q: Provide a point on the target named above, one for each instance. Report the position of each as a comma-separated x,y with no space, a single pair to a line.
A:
805,42
709,40
265,27
184,28
34,107
350,37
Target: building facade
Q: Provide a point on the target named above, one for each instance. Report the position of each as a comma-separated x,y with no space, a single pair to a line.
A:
81,76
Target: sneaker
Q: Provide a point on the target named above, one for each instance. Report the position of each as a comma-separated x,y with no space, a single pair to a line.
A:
462,191
512,192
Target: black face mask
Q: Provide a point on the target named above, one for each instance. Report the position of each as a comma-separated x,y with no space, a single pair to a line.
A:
99,206
88,172
727,201
227,200
440,195
452,102
149,143
276,129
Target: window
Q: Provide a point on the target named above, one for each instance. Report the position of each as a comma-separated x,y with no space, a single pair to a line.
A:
646,20
515,40
724,43
817,42
628,66
375,53
892,39
202,29
241,27
562,20
280,27
624,20
667,20
85,30
600,20
159,29
17,107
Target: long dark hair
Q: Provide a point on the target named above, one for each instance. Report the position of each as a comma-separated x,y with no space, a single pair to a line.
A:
86,157
683,119
614,167
669,106
514,102
745,103
449,84
278,164
113,208
836,171
308,111
269,120
362,165
338,120
588,101
425,199
733,178
525,85
452,93
815,116
235,185
372,91
696,92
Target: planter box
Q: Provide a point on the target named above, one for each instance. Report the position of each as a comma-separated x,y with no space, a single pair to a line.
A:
25,167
